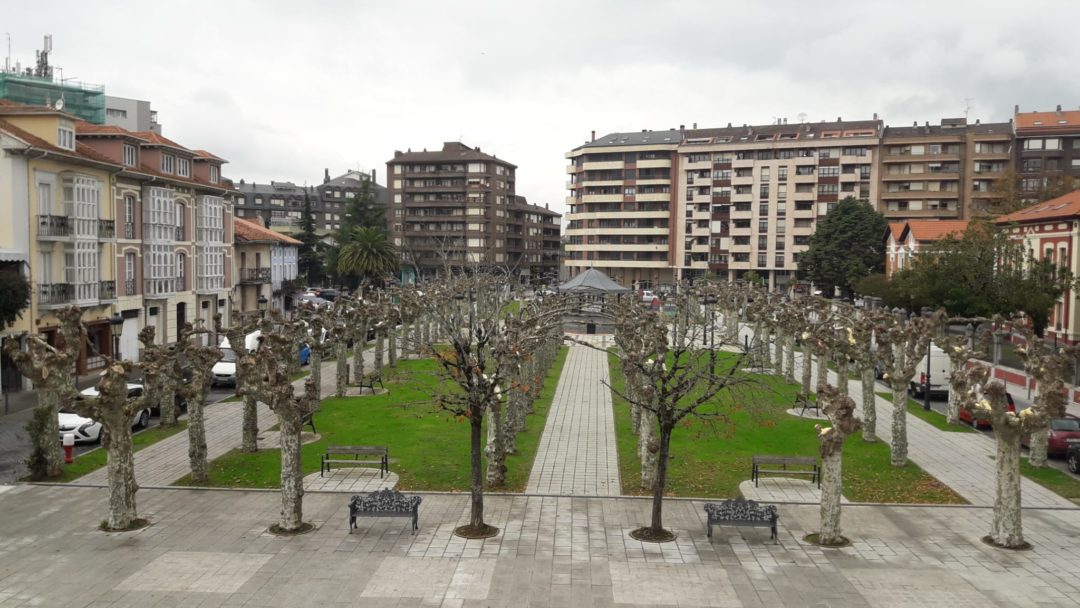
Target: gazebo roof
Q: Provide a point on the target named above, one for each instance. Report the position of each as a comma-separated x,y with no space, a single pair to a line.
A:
592,281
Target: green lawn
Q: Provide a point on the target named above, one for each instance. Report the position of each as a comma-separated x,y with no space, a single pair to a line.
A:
713,461
936,420
429,450
93,460
1052,479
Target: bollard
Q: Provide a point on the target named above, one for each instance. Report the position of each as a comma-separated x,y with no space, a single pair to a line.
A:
69,447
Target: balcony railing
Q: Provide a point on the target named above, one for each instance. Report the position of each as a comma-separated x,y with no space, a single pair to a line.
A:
107,290
159,287
54,226
55,293
129,230
254,275
106,229
129,287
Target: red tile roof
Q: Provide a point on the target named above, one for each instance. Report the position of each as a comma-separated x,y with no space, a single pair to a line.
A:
934,230
895,229
86,128
1066,206
247,232
203,154
1069,119
156,139
82,151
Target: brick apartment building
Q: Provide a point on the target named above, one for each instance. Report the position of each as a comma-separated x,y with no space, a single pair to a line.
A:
458,207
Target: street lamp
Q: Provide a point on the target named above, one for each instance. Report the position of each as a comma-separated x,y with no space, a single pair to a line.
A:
262,304
927,313
116,327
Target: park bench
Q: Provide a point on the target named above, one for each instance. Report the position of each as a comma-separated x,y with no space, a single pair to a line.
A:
370,380
741,512
785,466
803,402
309,419
376,454
384,503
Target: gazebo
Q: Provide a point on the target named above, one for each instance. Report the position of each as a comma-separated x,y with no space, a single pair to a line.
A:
592,281
593,286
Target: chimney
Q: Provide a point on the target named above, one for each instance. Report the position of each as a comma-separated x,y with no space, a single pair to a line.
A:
695,125
976,121
1016,109
644,130
373,176
785,120
593,135
326,175
729,125
838,119
397,153
875,115
1059,109
928,124
241,181
915,123
683,127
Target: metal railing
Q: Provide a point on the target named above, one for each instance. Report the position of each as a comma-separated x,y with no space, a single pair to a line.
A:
129,230
254,275
54,226
55,293
129,287
106,229
107,290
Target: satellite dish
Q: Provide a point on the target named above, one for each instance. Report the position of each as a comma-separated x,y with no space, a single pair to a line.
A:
59,105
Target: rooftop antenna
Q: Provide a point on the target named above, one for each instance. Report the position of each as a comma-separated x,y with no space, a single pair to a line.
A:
7,60
801,116
967,107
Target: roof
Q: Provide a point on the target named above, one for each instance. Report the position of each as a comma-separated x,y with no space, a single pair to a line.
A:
635,138
1048,120
204,155
82,151
895,229
451,151
1066,206
952,129
156,139
926,231
279,188
8,107
90,129
250,232
592,281
742,134
521,202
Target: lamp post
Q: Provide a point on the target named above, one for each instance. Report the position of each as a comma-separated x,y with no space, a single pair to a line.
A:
116,327
262,305
929,348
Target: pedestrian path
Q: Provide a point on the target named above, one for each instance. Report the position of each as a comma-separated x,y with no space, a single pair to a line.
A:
577,454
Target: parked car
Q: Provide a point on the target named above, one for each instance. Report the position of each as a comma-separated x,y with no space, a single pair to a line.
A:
87,430
940,370
224,371
1072,457
311,299
967,418
1061,431
328,294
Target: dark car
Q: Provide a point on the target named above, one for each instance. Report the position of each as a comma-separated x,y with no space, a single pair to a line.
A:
983,423
1072,456
328,294
1062,432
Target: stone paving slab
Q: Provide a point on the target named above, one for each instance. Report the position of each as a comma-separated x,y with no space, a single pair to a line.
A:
782,489
577,453
350,480
211,548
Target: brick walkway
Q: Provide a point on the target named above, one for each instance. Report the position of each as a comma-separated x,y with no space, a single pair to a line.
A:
577,454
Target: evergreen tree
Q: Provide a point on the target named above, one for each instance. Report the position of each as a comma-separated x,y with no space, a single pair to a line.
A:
847,245
309,262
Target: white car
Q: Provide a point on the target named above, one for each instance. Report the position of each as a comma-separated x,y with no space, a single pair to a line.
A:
224,371
87,430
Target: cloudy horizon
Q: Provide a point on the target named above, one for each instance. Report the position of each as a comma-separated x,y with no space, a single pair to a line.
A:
283,92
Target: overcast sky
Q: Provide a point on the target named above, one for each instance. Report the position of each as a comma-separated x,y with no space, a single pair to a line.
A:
284,89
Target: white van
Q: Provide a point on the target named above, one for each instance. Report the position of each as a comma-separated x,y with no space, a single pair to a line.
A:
940,370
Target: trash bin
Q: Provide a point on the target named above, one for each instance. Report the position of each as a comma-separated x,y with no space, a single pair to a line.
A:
590,328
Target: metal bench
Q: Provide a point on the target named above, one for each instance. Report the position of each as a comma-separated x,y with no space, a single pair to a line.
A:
370,380
803,402
743,513
380,453
804,466
385,503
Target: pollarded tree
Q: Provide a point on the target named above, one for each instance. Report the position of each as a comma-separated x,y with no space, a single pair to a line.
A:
840,410
960,353
201,360
161,375
50,369
268,381
680,379
1050,367
480,347
243,324
863,352
901,345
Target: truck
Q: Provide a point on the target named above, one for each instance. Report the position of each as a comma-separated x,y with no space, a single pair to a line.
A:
940,370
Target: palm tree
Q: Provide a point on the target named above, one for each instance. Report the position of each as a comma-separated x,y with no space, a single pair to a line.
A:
366,252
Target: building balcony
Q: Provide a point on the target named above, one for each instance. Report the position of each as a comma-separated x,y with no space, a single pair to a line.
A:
160,288
106,229
254,275
129,230
107,290
55,294
129,287
54,226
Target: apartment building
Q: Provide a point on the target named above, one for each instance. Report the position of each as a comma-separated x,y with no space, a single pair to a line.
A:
457,207
944,171
266,261
280,205
1047,152
656,207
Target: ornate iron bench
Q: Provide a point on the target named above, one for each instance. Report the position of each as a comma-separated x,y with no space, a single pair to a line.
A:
380,456
803,402
805,465
384,503
743,513
370,380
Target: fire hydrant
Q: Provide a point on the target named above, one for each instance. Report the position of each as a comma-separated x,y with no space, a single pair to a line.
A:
69,448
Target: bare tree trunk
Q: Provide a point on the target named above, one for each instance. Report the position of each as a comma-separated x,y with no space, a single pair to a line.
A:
197,441
292,478
358,355
425,333
807,369
778,354
869,405
380,342
789,358
1008,527
250,440
165,394
822,370
495,449
121,468
899,427
316,371
392,346
342,367
831,492
842,375
952,413
635,409
1037,447
647,449
657,523
47,442
476,512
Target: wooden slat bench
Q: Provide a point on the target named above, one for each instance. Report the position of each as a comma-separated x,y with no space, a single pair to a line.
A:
785,466
385,503
378,455
370,380
743,513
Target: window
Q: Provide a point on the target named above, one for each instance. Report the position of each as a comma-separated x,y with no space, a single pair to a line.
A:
828,171
762,259
65,138
477,168
129,216
215,174
183,167
129,273
131,155
828,188
1033,144
763,226
115,113
210,249
45,198
168,163
181,272
763,242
